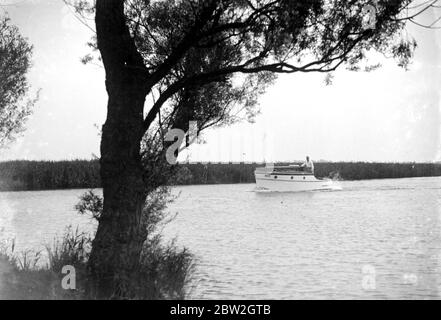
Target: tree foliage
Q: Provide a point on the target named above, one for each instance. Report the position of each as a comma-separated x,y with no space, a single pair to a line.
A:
194,50
15,61
208,61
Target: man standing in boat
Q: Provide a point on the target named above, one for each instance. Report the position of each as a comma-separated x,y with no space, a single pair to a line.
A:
308,166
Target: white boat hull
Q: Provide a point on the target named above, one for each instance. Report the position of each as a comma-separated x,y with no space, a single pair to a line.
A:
290,183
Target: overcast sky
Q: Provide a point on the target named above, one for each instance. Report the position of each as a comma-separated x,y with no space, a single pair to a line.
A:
387,115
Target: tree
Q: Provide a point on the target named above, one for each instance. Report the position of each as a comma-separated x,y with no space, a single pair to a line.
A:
203,60
15,61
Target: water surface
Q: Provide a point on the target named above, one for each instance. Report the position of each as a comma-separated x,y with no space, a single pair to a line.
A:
373,239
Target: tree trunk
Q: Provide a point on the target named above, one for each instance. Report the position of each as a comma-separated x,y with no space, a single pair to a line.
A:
121,233
120,236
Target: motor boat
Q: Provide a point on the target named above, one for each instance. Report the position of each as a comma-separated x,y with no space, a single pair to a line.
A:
293,178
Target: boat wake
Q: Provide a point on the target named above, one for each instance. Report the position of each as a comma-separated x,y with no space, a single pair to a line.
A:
330,187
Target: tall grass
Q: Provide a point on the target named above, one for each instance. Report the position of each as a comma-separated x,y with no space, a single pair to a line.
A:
24,276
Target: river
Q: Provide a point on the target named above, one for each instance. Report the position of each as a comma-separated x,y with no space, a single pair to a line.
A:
378,239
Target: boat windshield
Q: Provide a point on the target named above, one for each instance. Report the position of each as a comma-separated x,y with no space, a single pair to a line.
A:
288,168
285,170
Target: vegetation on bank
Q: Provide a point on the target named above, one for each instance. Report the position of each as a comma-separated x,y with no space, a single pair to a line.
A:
165,271
46,175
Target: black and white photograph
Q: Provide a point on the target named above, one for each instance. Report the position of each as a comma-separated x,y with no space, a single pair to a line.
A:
198,151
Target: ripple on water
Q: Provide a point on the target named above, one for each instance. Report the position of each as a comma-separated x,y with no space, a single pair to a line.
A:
281,246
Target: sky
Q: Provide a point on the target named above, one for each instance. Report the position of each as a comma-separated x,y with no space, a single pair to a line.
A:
387,115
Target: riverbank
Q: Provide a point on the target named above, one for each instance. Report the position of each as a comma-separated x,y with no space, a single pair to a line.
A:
60,271
83,174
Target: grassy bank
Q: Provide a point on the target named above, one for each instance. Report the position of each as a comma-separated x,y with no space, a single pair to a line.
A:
165,270
45,175
24,276
164,274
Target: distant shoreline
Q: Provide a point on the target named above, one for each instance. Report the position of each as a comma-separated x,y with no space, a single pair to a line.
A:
83,174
